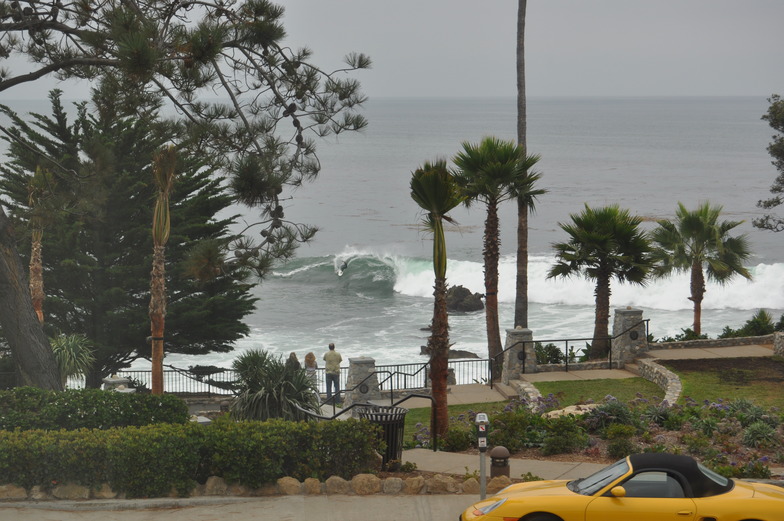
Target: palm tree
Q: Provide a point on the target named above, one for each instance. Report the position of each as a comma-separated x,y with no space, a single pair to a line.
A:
604,243
524,201
493,171
434,189
39,189
163,174
697,241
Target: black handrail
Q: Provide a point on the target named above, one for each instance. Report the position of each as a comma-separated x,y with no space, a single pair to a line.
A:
367,404
566,341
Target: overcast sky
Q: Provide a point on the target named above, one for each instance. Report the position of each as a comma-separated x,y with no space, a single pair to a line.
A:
461,48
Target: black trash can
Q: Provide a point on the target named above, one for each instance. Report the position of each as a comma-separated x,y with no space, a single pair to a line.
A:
392,421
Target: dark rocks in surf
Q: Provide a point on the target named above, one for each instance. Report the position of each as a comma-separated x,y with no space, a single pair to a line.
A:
461,299
453,353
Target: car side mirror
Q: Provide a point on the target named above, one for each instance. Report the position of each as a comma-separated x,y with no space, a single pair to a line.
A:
618,491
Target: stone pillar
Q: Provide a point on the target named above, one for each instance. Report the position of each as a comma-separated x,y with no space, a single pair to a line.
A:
634,340
778,343
521,355
361,369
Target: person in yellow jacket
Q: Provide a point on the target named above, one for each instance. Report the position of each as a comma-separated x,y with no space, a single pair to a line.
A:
332,361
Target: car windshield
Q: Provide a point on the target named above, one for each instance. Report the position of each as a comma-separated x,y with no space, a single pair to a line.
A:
597,481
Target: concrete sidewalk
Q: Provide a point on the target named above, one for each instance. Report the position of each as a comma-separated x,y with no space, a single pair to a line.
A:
443,507
454,463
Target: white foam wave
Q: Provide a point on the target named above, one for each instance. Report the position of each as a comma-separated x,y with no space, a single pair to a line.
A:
765,290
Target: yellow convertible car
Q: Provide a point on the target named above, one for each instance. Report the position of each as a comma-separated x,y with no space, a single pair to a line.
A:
641,487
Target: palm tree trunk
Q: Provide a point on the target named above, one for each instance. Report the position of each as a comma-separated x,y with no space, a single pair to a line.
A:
37,274
491,254
30,348
697,287
600,346
521,288
157,316
439,358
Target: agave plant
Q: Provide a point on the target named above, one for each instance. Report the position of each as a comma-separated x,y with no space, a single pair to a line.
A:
74,355
267,388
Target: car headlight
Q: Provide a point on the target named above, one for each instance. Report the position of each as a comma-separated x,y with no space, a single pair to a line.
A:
489,508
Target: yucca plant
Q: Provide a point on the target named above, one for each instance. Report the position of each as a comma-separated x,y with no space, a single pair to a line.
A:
267,388
74,355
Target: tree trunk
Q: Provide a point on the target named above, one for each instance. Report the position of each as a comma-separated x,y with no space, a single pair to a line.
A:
600,346
31,350
37,274
491,254
157,316
521,288
439,358
697,287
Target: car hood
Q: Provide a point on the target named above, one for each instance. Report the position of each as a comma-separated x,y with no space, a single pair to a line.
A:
537,488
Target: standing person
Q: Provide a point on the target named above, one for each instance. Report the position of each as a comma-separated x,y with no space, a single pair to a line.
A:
332,371
310,368
293,363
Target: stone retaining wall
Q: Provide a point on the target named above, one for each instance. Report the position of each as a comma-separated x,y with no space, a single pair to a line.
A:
778,343
717,342
359,485
575,366
663,377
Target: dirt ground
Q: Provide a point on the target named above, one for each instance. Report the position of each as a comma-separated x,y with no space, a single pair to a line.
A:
754,368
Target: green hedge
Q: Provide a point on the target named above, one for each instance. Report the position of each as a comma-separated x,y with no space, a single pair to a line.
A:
32,408
153,460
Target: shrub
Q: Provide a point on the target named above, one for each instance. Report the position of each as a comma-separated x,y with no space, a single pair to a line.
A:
153,460
759,324
759,434
548,354
33,408
620,437
457,439
564,434
516,430
747,413
269,388
610,412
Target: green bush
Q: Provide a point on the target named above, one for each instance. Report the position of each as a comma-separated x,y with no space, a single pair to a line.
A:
610,412
620,440
32,408
516,430
759,434
153,460
457,439
564,434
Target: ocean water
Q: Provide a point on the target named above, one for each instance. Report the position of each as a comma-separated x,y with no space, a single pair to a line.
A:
645,154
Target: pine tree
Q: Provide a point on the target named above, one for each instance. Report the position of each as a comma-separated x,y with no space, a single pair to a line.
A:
98,241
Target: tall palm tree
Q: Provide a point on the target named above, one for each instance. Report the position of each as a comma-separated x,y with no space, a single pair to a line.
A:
493,171
434,189
604,243
697,241
164,164
524,201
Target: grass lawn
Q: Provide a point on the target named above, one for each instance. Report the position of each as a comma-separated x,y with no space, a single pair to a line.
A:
757,379
422,415
581,391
